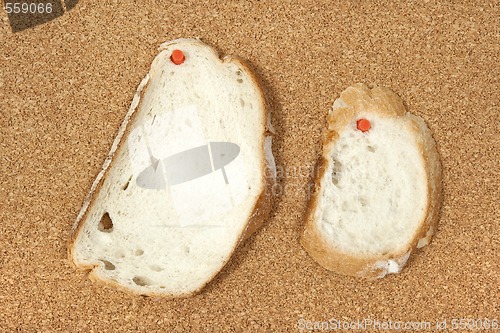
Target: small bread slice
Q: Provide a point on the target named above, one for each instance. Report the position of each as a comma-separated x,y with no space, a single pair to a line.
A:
187,179
377,187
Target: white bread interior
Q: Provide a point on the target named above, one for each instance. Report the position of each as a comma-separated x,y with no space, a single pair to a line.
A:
377,193
172,240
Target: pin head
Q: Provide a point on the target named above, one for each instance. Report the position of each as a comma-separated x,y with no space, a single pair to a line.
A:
177,57
363,125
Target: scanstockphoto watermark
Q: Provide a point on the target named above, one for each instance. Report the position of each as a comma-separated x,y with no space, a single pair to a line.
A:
370,324
361,325
295,180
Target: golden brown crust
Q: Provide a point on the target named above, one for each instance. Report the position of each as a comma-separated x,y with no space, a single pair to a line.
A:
433,167
359,98
353,101
260,211
262,208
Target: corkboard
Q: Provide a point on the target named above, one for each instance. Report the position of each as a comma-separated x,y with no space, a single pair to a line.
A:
65,86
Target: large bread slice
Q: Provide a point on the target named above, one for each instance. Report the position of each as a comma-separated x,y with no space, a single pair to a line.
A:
377,188
187,179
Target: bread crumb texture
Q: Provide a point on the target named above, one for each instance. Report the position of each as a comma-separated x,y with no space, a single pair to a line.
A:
66,85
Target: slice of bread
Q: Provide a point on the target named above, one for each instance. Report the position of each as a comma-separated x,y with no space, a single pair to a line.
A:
187,179
377,187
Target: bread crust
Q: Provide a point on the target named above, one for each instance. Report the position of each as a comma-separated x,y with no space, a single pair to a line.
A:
385,103
262,206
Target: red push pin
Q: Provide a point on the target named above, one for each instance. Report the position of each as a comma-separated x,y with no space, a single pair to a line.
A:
177,57
363,125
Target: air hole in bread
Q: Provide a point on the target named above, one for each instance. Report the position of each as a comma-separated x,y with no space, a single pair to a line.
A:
108,265
105,224
370,149
337,169
120,254
238,72
141,281
124,187
156,268
139,252
187,249
337,166
239,80
242,102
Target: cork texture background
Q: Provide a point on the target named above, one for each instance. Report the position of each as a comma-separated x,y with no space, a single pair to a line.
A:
66,85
